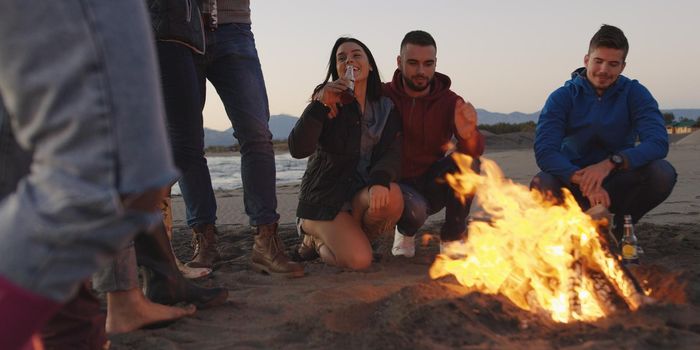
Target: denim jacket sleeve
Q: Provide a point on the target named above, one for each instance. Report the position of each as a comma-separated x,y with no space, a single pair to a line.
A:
549,136
649,126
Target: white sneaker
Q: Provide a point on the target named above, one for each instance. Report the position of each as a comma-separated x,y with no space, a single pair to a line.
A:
454,249
403,245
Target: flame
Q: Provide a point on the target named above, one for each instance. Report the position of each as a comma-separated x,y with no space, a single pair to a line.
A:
543,257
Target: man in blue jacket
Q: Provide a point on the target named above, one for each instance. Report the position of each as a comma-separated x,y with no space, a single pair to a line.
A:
602,136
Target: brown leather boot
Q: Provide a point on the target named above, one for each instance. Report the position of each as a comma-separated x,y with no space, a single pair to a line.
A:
204,243
269,256
187,271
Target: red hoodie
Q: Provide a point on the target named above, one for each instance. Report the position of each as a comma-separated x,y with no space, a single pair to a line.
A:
428,124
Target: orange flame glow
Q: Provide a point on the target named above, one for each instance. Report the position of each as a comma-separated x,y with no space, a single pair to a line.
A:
544,257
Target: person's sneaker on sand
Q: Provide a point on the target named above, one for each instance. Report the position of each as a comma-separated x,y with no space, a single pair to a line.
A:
403,245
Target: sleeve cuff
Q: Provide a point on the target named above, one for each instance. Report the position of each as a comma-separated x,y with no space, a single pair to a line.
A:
318,110
380,177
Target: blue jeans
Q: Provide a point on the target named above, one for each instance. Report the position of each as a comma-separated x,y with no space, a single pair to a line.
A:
78,80
231,64
119,274
428,194
634,192
183,106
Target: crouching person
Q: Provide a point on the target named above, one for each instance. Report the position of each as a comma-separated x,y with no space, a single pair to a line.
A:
347,195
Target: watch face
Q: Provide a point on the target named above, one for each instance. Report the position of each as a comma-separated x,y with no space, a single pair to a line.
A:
617,159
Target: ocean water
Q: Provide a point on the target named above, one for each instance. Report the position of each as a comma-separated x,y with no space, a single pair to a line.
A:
225,171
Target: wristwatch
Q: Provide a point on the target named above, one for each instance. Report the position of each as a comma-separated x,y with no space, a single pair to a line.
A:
618,160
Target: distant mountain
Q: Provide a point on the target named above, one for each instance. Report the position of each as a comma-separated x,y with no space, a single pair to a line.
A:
218,138
678,113
282,124
489,118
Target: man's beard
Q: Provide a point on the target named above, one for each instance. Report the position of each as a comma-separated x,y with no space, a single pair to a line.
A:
409,84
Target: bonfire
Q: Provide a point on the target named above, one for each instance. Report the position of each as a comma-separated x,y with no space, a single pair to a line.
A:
547,258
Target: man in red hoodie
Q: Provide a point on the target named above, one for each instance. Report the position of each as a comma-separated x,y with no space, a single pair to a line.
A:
432,115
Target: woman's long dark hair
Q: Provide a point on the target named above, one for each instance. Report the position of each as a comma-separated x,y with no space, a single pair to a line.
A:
374,81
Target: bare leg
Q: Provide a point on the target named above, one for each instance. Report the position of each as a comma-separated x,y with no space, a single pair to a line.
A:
342,241
379,221
129,310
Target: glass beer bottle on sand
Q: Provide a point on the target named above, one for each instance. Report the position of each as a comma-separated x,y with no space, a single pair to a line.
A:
628,244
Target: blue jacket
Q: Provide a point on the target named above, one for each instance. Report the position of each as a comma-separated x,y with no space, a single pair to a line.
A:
577,128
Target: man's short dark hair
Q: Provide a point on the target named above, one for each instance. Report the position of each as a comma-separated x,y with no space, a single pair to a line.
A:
610,37
418,37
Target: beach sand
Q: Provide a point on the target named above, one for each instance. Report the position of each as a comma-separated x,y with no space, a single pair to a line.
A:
396,305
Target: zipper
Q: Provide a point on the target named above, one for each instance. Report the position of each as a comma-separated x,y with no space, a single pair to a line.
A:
188,7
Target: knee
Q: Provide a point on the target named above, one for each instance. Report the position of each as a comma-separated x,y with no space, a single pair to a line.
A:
545,182
359,260
415,213
395,207
254,133
662,175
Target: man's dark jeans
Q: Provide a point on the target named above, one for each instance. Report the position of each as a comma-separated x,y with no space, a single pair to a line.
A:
183,105
231,64
428,194
634,192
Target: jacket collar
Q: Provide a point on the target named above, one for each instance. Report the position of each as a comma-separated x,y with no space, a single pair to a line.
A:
440,86
578,78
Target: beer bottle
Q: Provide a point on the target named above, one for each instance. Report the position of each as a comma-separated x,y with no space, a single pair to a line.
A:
349,94
628,244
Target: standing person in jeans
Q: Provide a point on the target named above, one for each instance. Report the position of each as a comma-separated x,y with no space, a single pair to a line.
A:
587,133
231,64
80,88
432,115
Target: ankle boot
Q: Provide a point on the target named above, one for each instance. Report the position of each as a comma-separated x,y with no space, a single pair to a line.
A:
23,314
187,272
268,254
163,282
204,244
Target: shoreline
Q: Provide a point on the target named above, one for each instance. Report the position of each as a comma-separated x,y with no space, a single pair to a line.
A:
683,206
494,143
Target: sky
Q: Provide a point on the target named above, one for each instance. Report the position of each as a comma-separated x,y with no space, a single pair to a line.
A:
502,56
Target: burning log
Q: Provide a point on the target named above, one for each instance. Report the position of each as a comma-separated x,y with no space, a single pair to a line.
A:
545,257
625,284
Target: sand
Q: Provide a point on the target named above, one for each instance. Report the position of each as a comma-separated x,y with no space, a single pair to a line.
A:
395,304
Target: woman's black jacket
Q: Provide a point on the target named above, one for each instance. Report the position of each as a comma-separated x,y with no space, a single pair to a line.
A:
334,149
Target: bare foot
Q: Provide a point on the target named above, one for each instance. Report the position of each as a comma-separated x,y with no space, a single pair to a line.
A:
129,310
192,272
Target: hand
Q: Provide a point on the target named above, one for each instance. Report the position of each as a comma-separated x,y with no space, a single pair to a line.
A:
465,119
591,178
599,196
330,93
378,198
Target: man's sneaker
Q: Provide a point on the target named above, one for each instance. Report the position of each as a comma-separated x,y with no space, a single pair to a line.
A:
403,245
454,249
